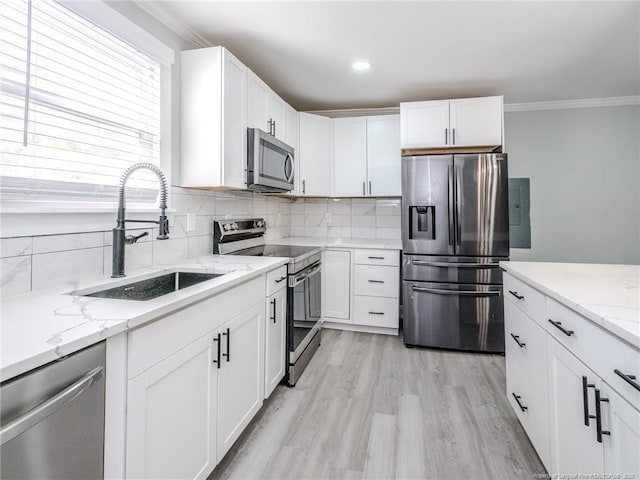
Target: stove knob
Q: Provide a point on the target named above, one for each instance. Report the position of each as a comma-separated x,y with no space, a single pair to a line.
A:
225,227
234,226
259,224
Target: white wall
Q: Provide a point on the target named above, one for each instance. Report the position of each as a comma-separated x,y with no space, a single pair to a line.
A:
584,166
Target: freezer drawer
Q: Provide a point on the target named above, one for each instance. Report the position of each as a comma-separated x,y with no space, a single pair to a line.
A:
475,270
455,316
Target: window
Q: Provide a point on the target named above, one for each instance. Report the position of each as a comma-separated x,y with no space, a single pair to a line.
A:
78,106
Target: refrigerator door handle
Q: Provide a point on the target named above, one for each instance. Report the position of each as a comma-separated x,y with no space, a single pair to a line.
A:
458,202
463,293
451,205
454,265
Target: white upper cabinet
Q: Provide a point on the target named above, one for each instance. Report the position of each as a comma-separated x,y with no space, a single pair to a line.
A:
265,110
383,155
213,127
366,156
464,122
314,157
350,156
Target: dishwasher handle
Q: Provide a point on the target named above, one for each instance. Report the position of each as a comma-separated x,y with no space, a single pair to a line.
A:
49,407
462,293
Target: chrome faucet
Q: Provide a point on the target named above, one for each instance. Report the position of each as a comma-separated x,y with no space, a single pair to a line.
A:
119,237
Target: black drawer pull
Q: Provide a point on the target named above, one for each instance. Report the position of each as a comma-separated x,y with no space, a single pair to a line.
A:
522,407
630,379
217,339
585,400
515,294
599,431
376,258
559,326
376,313
376,281
228,354
516,338
273,302
281,279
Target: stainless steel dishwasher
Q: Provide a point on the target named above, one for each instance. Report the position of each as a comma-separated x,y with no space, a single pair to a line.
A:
52,419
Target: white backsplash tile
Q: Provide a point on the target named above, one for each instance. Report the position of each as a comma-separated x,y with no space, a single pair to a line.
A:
315,206
70,266
388,221
363,232
201,245
171,250
15,275
339,220
388,207
61,243
363,220
16,246
363,206
297,207
315,231
259,205
339,232
388,233
315,220
297,220
137,255
297,231
339,205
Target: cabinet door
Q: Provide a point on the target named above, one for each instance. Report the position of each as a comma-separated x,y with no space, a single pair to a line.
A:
315,155
336,286
277,113
424,124
350,157
234,123
257,97
241,375
275,327
383,155
476,121
171,429
574,448
291,136
622,446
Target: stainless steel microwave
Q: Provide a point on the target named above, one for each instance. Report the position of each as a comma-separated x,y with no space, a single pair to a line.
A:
269,163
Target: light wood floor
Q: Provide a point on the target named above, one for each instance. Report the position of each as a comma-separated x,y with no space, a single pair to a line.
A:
368,407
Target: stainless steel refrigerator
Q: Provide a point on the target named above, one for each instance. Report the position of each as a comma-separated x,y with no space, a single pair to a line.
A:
455,230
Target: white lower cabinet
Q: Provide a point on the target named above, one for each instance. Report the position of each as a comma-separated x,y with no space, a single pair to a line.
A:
171,426
336,286
275,330
196,378
574,448
569,367
240,376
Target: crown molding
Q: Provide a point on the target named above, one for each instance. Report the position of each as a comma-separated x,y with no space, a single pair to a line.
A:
357,112
156,11
566,104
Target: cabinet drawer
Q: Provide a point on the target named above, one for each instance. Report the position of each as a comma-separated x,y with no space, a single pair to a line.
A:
376,281
526,342
377,257
376,311
276,280
598,349
534,418
529,300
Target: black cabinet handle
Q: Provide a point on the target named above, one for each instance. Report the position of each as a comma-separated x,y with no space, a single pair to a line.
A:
273,302
376,258
376,313
515,294
516,338
376,281
217,339
228,335
585,400
559,326
599,431
522,407
630,379
281,279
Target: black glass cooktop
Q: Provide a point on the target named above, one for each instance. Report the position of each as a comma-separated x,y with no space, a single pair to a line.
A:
288,251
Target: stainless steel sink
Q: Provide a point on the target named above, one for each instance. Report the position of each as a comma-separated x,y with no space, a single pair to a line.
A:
154,287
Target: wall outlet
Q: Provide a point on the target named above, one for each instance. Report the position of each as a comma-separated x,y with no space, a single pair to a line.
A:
191,222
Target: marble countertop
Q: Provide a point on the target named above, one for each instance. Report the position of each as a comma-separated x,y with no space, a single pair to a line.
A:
340,242
608,295
44,325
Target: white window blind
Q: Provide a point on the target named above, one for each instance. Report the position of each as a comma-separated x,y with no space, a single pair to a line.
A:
79,106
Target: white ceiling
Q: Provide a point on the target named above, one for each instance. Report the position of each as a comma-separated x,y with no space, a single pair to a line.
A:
527,51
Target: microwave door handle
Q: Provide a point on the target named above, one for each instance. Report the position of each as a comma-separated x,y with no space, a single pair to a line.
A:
288,160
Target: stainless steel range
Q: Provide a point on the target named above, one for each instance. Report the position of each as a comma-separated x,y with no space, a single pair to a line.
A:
304,274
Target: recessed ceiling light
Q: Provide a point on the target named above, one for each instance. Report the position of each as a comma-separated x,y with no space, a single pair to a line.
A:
361,66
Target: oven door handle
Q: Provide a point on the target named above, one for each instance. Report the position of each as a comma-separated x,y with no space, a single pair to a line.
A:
422,263
298,279
462,293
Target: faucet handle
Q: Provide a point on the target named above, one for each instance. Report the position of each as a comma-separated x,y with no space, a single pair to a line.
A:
163,228
131,239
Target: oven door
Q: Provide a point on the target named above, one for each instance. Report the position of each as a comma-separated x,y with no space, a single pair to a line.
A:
304,309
